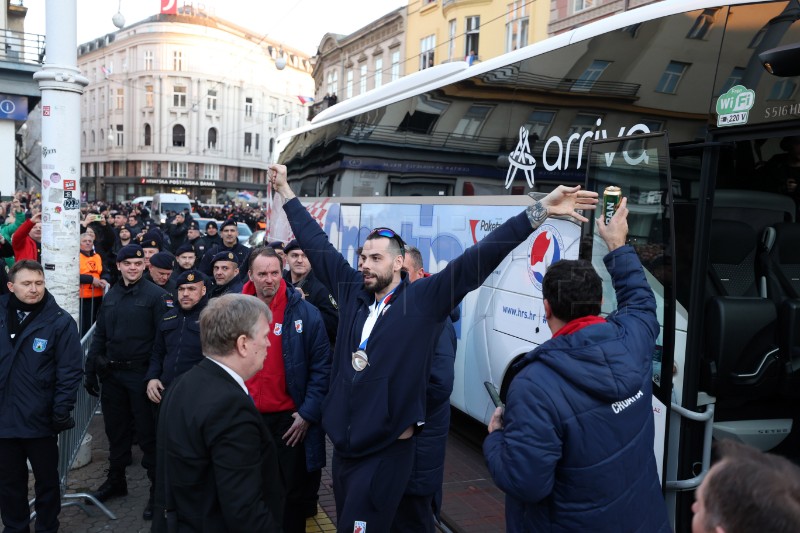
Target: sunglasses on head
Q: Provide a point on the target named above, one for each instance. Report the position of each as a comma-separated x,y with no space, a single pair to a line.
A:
389,234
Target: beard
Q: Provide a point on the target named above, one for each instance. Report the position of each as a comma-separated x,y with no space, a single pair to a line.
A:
380,282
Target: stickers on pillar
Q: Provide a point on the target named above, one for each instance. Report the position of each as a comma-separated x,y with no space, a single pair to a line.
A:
733,107
70,185
45,110
71,203
55,177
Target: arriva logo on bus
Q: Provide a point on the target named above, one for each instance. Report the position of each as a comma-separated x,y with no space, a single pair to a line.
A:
522,158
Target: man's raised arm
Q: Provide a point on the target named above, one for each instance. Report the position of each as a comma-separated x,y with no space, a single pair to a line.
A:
329,266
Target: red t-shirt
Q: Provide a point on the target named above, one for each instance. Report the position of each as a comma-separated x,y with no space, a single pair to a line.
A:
268,386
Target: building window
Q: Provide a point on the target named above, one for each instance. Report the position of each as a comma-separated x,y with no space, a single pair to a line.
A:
246,175
539,122
348,91
147,169
395,66
702,24
211,100
83,141
583,123
782,90
378,72
148,135
471,122
248,107
580,5
362,80
517,25
734,79
178,135
671,77
177,60
586,80
471,36
248,141
102,137
178,169
452,27
148,96
119,99
427,46
271,144
211,172
94,141
273,109
212,138
120,135
333,82
148,60
258,142
179,96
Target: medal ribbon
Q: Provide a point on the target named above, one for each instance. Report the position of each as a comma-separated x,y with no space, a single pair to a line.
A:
372,319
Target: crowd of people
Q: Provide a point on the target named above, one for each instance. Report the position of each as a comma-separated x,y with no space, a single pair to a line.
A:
229,366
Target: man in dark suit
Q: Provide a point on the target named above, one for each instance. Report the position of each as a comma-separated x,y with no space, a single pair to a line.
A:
217,464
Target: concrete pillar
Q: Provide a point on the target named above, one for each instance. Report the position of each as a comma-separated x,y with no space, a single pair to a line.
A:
62,85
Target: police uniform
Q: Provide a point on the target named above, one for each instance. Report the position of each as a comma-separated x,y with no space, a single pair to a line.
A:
234,286
177,345
119,357
241,252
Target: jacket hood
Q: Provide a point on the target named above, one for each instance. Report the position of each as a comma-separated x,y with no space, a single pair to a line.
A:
594,360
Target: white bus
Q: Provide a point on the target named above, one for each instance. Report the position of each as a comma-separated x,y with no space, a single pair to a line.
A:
672,103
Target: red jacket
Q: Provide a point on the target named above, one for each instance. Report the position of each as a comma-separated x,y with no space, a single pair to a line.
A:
24,247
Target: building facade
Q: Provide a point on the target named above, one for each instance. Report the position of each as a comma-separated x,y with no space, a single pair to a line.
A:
185,103
569,14
348,65
21,55
441,31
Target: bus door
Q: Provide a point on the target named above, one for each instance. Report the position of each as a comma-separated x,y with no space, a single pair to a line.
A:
739,276
639,167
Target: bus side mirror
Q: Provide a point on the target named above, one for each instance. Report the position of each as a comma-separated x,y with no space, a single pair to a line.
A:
782,61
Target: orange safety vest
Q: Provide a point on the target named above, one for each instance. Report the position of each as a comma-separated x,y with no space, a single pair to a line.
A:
94,266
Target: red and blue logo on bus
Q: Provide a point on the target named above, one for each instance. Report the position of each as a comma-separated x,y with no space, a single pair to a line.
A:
545,249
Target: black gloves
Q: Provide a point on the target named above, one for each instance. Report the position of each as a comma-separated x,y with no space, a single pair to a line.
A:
91,384
60,423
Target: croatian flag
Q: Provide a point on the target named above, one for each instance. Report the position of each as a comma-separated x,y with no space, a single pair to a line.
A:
305,100
106,71
245,195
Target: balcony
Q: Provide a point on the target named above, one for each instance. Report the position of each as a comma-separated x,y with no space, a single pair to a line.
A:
19,47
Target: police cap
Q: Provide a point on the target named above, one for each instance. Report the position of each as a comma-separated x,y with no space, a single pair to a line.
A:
229,222
184,248
292,245
276,245
130,251
151,239
189,277
225,256
163,260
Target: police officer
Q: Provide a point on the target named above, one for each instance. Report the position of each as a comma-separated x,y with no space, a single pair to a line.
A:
300,276
209,240
194,240
177,345
151,243
119,357
160,272
230,243
185,259
226,274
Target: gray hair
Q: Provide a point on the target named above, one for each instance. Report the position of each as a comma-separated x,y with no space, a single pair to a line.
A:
415,255
226,318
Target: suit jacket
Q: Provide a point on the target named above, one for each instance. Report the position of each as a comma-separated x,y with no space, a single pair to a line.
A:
217,465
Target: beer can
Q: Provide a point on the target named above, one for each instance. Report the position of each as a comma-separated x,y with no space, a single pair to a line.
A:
612,196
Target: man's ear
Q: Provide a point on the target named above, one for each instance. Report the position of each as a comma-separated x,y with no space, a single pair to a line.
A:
398,263
548,311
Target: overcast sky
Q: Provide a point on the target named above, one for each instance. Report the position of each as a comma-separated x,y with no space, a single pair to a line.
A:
296,23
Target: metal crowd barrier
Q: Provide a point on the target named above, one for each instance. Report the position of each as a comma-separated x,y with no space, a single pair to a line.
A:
69,443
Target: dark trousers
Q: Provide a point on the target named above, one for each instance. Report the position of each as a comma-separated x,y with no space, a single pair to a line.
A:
414,515
292,463
311,491
125,405
43,455
368,489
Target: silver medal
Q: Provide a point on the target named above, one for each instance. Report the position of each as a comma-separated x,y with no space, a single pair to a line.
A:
360,360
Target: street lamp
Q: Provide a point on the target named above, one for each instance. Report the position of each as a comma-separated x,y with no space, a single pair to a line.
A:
280,61
118,19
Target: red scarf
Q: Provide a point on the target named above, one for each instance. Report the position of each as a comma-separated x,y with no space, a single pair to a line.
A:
578,324
268,386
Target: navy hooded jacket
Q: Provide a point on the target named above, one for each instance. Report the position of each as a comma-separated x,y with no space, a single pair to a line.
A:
365,412
576,449
40,371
